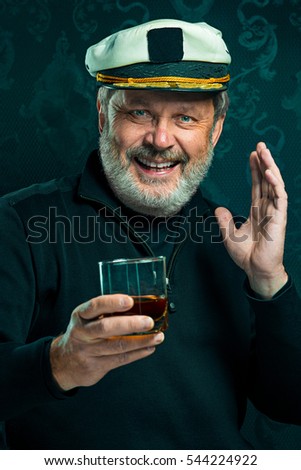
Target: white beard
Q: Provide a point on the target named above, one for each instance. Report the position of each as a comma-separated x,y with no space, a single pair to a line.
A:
159,201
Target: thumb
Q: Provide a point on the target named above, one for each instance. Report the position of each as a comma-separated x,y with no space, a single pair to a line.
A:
225,221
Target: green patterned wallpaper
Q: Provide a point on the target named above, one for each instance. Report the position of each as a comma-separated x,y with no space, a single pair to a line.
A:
48,117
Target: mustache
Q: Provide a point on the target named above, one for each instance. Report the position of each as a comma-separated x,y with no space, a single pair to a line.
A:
150,152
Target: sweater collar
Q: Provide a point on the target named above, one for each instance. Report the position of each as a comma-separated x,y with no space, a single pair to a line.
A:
94,186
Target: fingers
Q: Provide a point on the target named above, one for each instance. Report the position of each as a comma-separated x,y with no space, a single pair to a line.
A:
123,344
106,317
106,327
96,342
257,190
260,186
76,363
104,304
267,181
267,161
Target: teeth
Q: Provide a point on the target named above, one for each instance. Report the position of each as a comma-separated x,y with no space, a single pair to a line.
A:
154,164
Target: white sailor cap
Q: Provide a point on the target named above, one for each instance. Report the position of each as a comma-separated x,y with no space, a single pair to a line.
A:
162,54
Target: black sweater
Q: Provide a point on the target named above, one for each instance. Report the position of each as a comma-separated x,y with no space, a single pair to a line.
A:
222,345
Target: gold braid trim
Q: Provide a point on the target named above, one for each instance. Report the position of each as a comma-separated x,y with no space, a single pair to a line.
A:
164,82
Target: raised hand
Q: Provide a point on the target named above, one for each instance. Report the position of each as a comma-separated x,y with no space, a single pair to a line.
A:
257,246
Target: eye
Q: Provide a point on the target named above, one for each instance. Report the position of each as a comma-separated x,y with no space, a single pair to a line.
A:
138,112
140,115
185,119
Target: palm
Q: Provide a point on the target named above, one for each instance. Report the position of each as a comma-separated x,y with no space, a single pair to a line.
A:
257,246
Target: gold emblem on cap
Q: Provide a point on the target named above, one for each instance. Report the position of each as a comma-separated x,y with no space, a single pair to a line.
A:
164,82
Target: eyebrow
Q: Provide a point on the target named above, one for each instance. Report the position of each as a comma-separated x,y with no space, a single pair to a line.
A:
138,102
144,103
184,108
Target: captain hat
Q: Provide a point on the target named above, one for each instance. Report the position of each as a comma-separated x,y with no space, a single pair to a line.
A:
163,54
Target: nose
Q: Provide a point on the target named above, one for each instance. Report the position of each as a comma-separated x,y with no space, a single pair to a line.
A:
160,136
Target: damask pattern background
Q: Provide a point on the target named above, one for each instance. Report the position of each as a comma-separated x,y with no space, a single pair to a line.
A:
48,122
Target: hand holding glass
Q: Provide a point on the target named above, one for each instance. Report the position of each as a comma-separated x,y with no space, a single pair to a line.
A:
144,279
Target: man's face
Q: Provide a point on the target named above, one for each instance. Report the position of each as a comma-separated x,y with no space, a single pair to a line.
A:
156,147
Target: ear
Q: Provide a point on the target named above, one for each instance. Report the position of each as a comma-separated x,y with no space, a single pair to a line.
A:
101,116
218,129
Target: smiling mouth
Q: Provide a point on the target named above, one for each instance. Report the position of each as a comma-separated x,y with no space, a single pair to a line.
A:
156,166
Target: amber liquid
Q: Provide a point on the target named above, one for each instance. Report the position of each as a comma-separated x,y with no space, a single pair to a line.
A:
152,306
